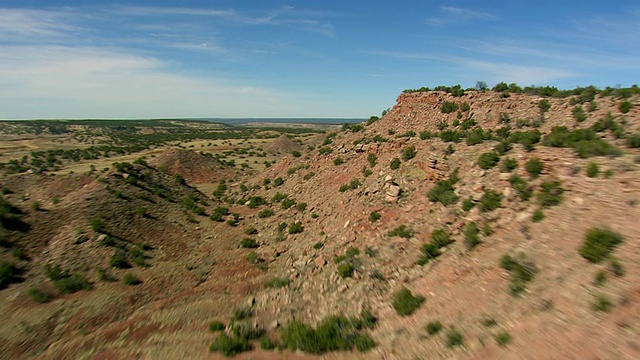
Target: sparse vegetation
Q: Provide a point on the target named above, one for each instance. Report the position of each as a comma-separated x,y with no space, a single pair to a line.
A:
444,192
534,167
598,244
454,338
405,303
488,160
409,153
374,216
592,169
471,235
490,201
402,231
538,216
249,243
433,327
522,271
395,164
550,193
130,279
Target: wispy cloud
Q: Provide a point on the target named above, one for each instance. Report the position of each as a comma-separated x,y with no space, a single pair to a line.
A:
91,82
21,25
451,15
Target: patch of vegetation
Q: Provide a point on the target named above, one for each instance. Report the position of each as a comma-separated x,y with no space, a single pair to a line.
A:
256,201
279,283
249,243
216,326
395,164
409,153
296,228
8,274
592,169
468,204
625,107
318,245
354,184
130,279
471,235
633,140
334,333
374,216
521,186
454,338
503,338
579,114
451,136
449,107
490,201
230,346
402,231
219,213
585,142
508,165
534,167
372,158
345,270
602,303
550,193
522,271
538,216
527,139
433,327
287,203
598,244
39,296
278,181
488,160
405,303
338,161
444,192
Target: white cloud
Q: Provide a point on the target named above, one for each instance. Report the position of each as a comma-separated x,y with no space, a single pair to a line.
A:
19,25
521,74
452,14
79,82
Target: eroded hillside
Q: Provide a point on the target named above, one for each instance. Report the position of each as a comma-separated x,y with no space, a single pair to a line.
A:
473,226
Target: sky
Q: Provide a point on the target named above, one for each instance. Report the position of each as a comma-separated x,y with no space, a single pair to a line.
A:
263,58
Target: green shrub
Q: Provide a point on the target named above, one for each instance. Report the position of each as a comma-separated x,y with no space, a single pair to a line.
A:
278,181
334,333
8,274
502,338
633,140
488,160
256,201
451,136
616,267
521,272
521,186
454,338
70,284
248,243
602,303
534,167
624,107
287,203
230,346
395,164
405,303
503,147
508,165
429,251
490,201
338,161
598,244
449,107
402,231
345,270
592,169
296,228
425,135
278,282
216,326
374,216
550,193
544,105
251,231
325,150
433,327
354,184
538,216
468,204
585,142
97,225
119,260
130,279
443,191
39,296
579,114
372,158
409,153
471,235
301,206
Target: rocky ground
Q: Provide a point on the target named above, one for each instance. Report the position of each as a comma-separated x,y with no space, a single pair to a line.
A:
194,270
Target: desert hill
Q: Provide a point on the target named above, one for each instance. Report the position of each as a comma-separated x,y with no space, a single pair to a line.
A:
486,225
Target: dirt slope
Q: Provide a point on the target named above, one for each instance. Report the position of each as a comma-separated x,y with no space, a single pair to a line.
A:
197,272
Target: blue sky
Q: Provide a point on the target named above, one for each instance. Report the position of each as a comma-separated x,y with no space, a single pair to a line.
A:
331,58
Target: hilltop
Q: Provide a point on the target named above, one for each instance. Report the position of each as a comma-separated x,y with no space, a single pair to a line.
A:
475,224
